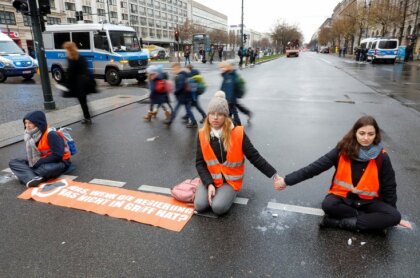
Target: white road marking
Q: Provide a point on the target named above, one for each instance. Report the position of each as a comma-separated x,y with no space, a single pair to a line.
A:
293,208
167,191
108,182
7,170
326,61
68,177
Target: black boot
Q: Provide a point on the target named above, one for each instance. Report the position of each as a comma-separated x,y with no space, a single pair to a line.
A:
328,222
348,224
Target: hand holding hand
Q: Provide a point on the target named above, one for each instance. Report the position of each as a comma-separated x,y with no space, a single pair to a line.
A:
405,224
211,190
279,183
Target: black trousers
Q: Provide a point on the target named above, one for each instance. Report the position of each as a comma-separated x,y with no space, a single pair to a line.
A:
24,173
371,215
84,105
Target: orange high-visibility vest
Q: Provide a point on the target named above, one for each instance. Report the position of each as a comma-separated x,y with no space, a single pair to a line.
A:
234,166
44,147
368,186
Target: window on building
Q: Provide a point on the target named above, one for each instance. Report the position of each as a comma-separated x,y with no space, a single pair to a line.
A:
142,11
88,21
60,39
101,12
143,21
164,24
151,22
175,10
134,19
165,33
169,8
157,14
7,18
123,4
179,3
100,1
149,3
52,4
150,12
113,14
144,32
124,16
152,33
158,34
27,20
53,20
142,2
164,16
86,10
112,2
157,5
81,39
71,20
133,8
163,7
170,17
158,24
70,6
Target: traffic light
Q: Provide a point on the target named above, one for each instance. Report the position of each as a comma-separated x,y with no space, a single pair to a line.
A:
44,7
42,21
21,6
245,36
79,15
177,35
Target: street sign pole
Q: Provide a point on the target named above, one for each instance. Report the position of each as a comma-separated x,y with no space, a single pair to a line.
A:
242,26
49,103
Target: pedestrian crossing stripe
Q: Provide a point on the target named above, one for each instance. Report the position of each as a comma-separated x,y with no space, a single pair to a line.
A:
68,177
298,209
108,182
167,191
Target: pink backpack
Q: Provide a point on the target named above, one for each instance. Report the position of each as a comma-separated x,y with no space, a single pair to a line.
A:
185,191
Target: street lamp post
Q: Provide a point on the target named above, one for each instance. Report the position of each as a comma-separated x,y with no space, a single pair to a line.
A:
242,25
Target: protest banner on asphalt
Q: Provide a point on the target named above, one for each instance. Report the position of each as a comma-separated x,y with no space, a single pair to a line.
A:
153,209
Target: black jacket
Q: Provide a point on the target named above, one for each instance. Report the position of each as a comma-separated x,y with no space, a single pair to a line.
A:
78,78
387,183
249,151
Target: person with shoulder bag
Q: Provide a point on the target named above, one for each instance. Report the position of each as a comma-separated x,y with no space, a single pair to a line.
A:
220,159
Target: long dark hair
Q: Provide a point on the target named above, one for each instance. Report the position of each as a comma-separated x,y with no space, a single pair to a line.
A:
349,146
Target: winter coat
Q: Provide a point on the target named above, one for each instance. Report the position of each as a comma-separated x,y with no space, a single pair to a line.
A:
78,79
228,85
155,97
387,183
248,149
181,92
55,141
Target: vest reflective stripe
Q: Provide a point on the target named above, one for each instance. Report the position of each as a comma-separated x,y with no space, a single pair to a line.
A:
233,168
45,149
354,190
368,186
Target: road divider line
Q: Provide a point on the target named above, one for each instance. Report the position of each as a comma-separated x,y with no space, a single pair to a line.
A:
108,182
326,61
167,191
68,177
298,209
8,170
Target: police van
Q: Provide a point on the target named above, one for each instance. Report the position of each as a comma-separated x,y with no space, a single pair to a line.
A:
13,61
113,52
382,49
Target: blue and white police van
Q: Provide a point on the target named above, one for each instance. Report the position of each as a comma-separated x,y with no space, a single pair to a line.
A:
13,61
113,52
382,49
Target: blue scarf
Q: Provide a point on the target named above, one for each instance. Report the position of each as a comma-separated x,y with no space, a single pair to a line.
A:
369,152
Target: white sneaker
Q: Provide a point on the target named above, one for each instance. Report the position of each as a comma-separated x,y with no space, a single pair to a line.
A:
34,182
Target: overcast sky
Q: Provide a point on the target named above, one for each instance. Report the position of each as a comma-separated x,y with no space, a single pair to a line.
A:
261,15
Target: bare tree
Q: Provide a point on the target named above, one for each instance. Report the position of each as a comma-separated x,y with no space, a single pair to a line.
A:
384,13
325,36
283,33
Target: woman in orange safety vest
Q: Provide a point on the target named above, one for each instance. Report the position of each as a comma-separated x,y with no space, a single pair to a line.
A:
220,162
362,195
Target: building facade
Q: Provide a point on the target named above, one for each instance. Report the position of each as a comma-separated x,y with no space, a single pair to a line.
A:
154,20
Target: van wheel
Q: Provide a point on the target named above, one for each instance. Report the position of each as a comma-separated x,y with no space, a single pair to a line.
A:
3,76
113,77
57,74
141,78
28,76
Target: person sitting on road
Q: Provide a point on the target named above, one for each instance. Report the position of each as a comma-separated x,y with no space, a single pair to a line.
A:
220,163
47,153
362,196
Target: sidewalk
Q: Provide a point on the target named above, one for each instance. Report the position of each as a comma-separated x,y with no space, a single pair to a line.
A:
12,132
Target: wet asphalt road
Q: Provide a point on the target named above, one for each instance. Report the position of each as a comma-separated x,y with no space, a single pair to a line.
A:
302,107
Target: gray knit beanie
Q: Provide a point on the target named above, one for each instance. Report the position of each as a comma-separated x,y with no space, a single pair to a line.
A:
218,104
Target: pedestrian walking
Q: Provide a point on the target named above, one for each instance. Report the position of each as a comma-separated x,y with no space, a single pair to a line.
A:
241,56
47,155
187,53
202,53
211,54
221,149
230,87
79,81
182,94
197,87
220,51
158,93
362,195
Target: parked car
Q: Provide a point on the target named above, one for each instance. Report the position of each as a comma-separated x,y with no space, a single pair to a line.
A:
383,50
158,54
324,49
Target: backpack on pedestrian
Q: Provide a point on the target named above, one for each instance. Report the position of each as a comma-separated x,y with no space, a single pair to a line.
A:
200,85
64,132
239,86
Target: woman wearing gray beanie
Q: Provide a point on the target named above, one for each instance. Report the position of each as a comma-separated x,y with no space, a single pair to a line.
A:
220,162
